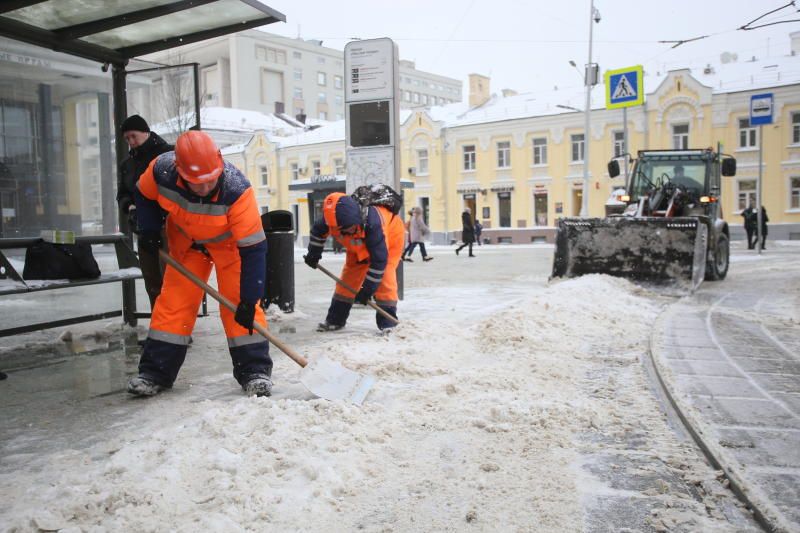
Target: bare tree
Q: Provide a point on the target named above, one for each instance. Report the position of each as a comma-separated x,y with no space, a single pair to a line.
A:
173,97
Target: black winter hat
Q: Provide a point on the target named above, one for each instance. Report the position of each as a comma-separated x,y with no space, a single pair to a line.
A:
134,123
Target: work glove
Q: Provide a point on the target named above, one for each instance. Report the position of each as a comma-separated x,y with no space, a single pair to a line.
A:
245,314
133,220
150,241
312,259
366,292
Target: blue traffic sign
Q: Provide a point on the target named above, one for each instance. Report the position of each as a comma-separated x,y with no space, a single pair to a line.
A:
761,108
624,87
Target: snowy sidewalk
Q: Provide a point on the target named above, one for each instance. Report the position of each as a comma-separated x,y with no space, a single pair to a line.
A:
504,403
731,355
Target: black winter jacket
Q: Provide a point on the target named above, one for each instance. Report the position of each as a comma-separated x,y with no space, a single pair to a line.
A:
467,229
132,167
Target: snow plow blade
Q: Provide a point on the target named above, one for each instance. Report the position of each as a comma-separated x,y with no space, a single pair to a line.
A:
651,249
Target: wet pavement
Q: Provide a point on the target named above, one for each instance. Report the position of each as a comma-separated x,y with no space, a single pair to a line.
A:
731,356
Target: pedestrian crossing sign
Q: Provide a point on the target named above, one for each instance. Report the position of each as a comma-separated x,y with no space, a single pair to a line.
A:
624,87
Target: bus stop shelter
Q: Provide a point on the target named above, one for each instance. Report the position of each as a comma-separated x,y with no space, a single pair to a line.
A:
112,32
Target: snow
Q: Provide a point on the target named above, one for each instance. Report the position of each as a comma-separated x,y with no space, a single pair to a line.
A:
492,402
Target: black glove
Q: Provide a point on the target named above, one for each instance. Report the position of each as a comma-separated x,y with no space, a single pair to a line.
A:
150,241
366,292
245,314
133,220
312,259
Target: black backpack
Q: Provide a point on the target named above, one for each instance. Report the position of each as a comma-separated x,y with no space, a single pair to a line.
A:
377,195
44,260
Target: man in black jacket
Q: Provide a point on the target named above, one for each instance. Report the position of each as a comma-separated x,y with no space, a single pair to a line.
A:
145,146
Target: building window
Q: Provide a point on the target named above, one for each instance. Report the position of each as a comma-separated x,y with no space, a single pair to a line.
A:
298,74
297,55
415,98
424,99
422,162
320,60
272,55
794,193
298,92
295,170
540,151
322,79
795,128
407,96
748,135
469,157
503,154
746,194
425,204
338,166
680,137
315,168
337,82
577,147
338,100
263,172
504,209
619,144
322,98
323,115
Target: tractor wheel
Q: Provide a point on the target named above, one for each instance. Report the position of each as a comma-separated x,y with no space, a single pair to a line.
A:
717,266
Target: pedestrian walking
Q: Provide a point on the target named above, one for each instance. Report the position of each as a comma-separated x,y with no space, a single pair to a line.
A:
145,145
418,231
764,220
478,231
213,221
467,231
374,243
750,225
407,246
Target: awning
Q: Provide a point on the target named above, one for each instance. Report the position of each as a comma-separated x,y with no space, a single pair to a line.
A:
331,182
114,31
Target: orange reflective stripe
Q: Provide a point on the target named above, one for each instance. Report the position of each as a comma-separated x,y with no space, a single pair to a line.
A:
245,220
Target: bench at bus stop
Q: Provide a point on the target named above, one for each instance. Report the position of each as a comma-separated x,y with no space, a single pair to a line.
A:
11,282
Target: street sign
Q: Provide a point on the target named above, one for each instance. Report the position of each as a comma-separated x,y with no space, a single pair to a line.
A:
371,108
761,107
624,87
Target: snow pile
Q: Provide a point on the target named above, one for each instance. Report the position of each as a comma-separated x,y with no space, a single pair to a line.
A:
479,427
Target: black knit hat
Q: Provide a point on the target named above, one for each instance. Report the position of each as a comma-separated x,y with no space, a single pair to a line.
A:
134,123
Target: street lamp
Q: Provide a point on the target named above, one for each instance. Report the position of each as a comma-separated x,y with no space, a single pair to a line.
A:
594,16
569,107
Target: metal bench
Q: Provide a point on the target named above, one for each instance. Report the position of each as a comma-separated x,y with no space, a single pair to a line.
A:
12,283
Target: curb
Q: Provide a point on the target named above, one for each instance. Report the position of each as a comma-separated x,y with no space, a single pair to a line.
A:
763,510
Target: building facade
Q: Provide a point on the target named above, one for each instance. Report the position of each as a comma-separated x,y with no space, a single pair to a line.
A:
517,161
260,71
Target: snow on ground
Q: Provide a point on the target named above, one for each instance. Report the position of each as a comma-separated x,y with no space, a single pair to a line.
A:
494,424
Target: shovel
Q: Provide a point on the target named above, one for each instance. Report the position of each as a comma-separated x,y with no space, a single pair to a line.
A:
322,377
370,303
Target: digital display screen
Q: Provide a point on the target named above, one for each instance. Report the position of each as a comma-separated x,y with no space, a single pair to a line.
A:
369,124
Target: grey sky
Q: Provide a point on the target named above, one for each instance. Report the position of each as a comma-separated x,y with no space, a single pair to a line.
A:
527,45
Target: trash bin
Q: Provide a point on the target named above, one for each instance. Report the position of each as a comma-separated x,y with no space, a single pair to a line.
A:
279,286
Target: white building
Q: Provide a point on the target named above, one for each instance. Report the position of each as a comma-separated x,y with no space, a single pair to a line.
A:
264,72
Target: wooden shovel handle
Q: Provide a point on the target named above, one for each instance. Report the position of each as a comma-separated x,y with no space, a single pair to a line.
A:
370,303
296,357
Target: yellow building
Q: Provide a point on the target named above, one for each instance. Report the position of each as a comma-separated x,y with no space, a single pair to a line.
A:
517,159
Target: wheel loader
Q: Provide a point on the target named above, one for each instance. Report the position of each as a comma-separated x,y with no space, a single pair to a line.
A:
666,227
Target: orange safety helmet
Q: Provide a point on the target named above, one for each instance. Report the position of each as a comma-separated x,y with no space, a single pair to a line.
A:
197,157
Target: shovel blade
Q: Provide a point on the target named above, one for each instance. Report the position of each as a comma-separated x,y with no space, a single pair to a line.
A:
331,381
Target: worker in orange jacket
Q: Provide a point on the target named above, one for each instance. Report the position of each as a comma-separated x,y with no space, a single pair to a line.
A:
374,240
212,220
